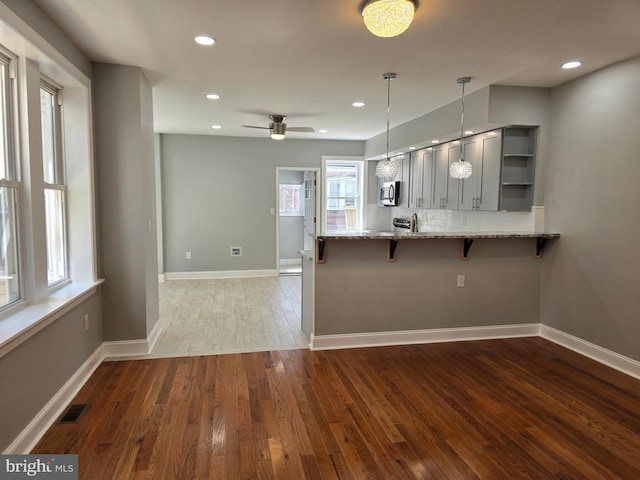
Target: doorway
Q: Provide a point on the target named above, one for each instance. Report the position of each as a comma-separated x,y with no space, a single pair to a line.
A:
296,218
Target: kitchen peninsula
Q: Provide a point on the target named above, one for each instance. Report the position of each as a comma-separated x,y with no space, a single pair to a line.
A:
384,287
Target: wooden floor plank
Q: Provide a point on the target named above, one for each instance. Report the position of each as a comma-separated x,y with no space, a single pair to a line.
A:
498,409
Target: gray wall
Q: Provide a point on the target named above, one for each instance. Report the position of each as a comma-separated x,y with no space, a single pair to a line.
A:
358,291
126,200
33,372
217,192
589,276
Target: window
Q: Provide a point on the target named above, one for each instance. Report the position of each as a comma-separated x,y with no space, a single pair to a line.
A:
10,284
344,195
54,185
291,201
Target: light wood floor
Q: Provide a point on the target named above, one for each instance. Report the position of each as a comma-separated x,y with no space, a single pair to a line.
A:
205,317
496,409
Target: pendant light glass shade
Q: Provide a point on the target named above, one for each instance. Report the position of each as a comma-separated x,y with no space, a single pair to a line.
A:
388,18
461,169
388,168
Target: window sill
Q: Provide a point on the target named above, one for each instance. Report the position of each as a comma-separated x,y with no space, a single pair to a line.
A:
20,325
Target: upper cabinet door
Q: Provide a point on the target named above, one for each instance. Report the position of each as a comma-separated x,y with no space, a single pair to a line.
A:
445,188
488,198
481,191
415,179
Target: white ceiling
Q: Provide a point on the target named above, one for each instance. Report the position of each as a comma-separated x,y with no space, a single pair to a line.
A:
310,59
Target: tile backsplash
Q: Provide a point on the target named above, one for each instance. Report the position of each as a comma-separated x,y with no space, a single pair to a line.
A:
468,221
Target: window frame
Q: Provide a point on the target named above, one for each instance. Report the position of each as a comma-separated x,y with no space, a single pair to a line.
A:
11,180
59,179
329,201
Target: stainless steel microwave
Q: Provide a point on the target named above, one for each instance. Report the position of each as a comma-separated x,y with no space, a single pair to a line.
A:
389,194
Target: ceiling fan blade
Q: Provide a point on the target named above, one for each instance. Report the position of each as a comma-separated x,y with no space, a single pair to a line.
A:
253,126
300,129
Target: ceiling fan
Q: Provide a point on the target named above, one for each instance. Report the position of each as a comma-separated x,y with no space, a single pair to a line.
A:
277,128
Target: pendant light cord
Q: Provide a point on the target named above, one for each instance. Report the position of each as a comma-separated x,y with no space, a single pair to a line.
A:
462,125
388,110
463,81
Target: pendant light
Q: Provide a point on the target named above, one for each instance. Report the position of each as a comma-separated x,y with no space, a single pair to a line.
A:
461,169
387,169
388,18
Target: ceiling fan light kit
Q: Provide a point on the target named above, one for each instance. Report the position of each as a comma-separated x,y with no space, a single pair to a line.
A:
277,128
388,18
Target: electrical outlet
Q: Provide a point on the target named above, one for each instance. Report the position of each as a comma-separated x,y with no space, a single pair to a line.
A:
236,251
461,281
187,255
86,322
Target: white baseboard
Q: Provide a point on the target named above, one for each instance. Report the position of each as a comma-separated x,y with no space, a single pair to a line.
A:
379,339
154,335
219,274
599,354
31,435
126,348
290,261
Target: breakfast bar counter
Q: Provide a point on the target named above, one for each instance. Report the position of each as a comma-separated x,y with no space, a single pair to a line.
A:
393,237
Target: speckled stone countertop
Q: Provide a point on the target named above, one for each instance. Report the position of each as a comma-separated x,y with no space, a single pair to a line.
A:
388,235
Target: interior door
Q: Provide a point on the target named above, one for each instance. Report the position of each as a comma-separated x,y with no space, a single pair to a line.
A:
310,220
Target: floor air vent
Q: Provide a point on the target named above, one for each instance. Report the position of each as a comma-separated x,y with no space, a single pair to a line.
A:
73,413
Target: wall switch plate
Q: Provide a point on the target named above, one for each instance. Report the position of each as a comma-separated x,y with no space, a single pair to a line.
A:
461,280
236,251
272,211
86,322
187,255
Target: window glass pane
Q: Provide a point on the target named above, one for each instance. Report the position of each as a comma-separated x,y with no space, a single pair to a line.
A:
56,251
4,150
9,278
48,115
343,207
291,202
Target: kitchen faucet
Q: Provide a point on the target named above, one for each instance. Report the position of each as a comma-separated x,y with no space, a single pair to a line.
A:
414,223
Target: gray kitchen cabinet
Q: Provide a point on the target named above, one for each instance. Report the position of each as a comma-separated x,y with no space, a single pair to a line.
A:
481,191
404,175
518,168
421,178
445,189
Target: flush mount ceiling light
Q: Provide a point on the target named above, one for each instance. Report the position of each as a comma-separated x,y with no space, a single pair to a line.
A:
388,18
204,40
358,104
461,169
570,65
387,169
213,96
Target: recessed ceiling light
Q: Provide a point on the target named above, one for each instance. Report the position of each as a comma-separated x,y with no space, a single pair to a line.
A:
569,65
213,96
469,132
435,141
323,131
412,148
204,40
216,127
358,104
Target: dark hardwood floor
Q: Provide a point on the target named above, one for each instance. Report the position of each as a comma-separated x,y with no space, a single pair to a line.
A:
518,408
